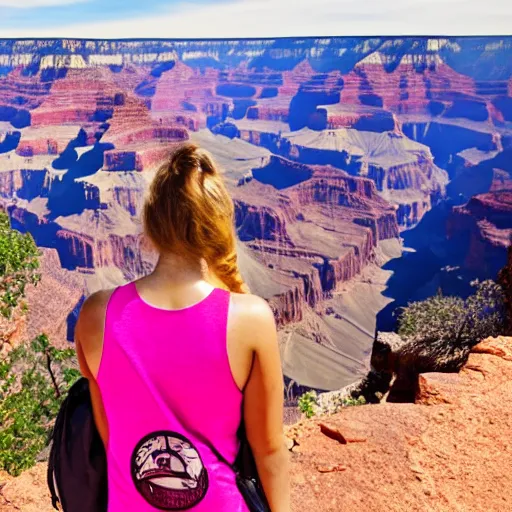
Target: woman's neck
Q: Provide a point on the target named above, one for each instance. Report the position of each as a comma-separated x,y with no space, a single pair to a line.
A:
177,269
176,283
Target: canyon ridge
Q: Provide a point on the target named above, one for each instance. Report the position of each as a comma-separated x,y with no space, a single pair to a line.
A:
366,173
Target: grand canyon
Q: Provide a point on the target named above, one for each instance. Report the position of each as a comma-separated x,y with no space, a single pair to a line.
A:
366,172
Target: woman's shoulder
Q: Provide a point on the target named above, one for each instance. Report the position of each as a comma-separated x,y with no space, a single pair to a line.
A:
252,320
97,302
93,311
251,306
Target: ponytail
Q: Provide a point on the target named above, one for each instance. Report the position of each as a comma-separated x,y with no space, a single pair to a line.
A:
189,211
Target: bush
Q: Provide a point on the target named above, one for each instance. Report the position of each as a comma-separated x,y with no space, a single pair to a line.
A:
331,402
33,381
33,376
463,323
351,402
308,403
18,266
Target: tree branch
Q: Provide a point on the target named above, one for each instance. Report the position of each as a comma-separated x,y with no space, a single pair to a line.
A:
50,371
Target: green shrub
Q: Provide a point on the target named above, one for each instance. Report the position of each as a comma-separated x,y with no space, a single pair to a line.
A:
18,266
33,381
463,322
33,376
308,403
350,401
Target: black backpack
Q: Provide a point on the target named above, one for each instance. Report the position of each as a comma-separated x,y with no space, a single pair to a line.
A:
77,467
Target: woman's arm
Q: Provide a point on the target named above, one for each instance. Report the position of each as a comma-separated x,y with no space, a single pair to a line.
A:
89,348
263,406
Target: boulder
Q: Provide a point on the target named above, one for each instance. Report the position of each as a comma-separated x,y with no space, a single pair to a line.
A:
446,453
385,349
505,280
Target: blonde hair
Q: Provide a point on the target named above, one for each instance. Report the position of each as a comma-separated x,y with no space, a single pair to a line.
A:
189,211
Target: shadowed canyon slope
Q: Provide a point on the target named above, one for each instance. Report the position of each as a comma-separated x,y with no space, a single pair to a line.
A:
365,172
445,453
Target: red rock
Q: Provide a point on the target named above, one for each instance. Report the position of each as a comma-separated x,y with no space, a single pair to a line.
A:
52,299
436,388
331,468
403,170
27,492
291,233
445,457
400,87
302,246
16,88
499,347
75,98
502,180
487,221
19,181
183,84
141,141
356,439
332,433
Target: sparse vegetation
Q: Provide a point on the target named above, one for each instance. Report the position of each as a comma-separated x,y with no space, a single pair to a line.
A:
18,266
311,404
308,403
463,323
351,402
33,376
33,380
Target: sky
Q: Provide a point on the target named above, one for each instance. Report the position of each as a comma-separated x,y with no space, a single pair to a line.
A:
178,19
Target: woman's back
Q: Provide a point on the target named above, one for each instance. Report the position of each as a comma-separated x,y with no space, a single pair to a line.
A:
166,358
168,392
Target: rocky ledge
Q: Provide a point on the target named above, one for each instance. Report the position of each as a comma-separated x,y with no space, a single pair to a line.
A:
446,452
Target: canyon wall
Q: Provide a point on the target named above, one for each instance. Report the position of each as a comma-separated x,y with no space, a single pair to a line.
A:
337,152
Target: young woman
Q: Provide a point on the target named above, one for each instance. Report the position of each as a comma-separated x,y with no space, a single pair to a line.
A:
175,358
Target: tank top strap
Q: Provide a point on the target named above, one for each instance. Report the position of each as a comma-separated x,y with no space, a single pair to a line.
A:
120,297
217,301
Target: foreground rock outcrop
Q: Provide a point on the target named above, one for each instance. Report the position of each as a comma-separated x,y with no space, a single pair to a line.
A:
447,452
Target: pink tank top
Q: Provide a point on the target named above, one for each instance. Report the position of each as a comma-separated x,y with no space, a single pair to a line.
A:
165,375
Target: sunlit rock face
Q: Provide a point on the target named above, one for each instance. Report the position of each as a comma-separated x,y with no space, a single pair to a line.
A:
338,152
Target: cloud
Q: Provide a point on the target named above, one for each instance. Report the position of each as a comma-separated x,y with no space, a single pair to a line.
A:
273,18
30,4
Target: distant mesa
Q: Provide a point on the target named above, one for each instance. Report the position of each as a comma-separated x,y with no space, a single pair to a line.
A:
361,169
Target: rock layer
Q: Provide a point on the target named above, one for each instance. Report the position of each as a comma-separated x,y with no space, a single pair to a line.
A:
445,453
483,228
332,149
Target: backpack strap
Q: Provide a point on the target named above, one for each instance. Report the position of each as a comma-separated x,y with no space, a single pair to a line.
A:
51,482
207,443
52,460
211,446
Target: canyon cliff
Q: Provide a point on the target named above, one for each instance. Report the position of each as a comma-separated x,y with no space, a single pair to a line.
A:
483,229
444,453
334,150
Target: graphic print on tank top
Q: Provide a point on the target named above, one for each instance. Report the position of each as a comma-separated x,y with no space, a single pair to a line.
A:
168,471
